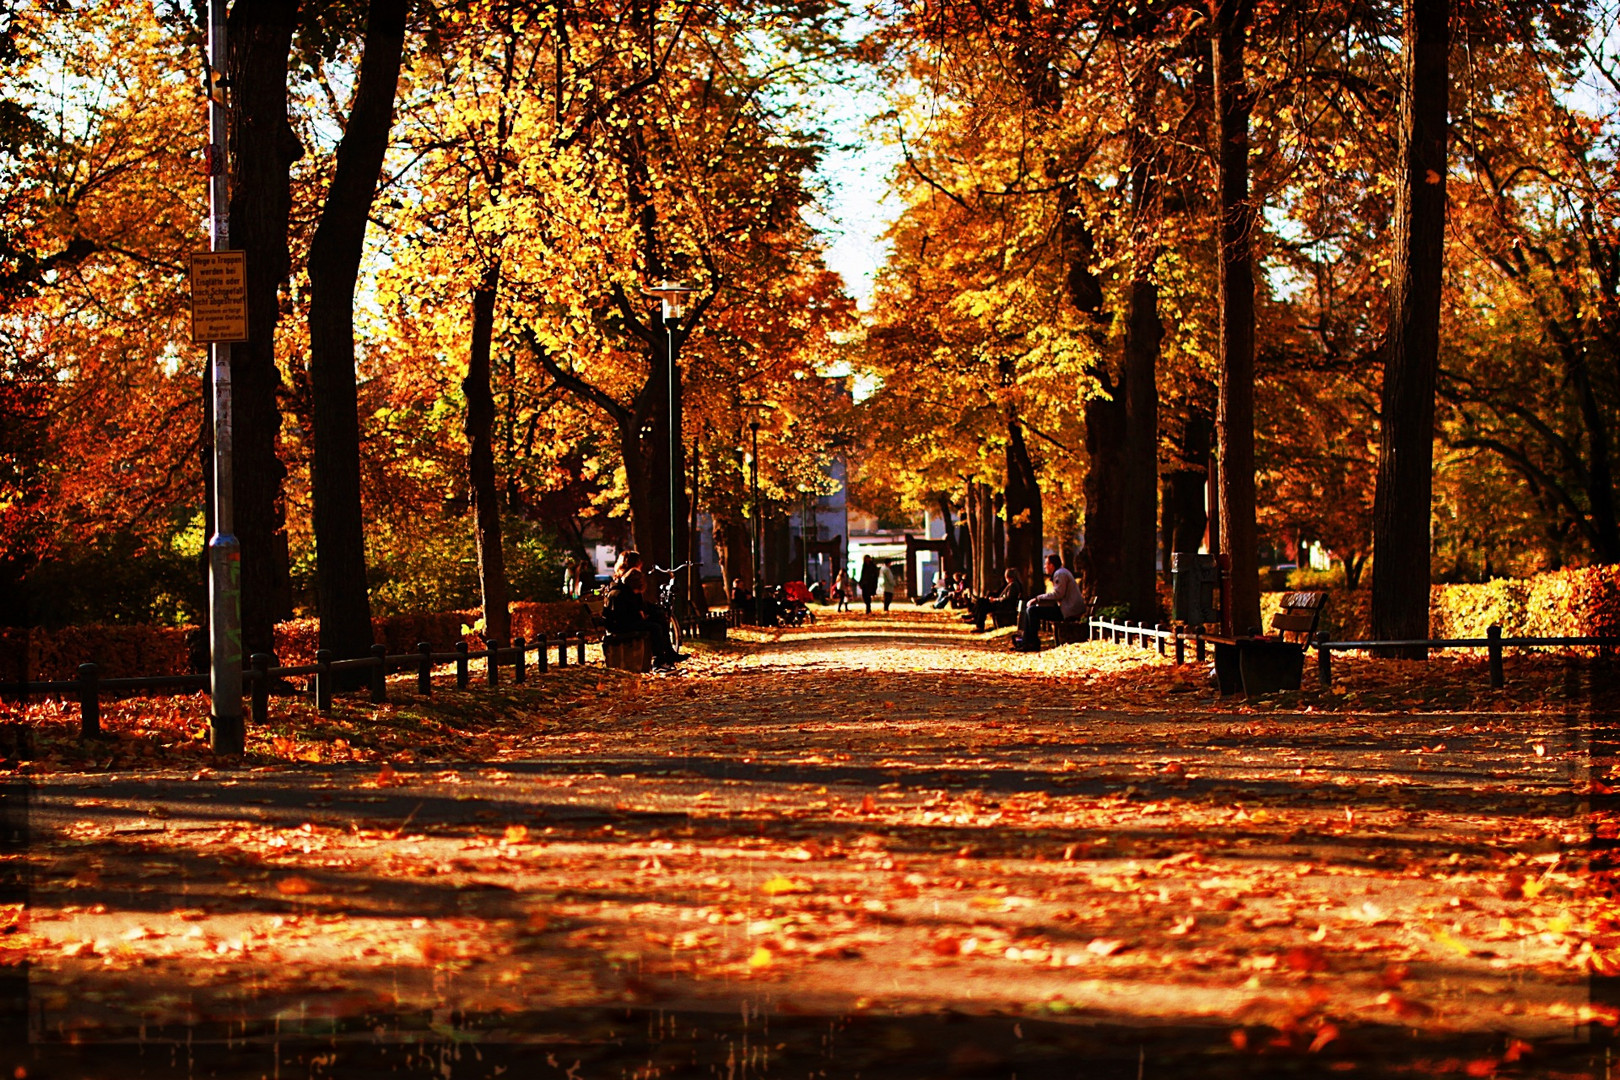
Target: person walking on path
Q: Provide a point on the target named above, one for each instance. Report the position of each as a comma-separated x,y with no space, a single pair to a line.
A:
869,581
842,589
885,584
1064,601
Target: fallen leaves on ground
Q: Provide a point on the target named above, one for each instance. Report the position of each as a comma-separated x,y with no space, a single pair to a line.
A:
879,812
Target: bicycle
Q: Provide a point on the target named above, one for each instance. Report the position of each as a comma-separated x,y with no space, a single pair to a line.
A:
676,608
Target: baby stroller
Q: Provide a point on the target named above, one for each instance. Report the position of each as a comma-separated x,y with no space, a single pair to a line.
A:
796,597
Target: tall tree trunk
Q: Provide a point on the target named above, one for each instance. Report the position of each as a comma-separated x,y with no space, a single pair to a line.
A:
1025,528
644,442
1235,421
1143,334
1400,573
1184,489
1105,417
1104,491
983,563
486,499
1605,530
735,552
265,148
334,264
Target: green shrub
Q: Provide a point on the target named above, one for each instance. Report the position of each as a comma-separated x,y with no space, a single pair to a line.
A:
1304,579
118,579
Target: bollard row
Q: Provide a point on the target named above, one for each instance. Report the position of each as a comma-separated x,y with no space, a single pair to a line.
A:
326,672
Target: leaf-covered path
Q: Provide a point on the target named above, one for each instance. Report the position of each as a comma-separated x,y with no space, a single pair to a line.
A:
879,847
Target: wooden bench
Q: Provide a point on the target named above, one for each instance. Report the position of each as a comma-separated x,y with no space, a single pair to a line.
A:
1255,664
1072,631
627,652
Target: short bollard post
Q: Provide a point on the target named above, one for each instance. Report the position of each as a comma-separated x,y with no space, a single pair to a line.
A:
1324,662
1181,648
540,658
89,701
323,682
579,646
260,661
492,663
424,669
520,662
1493,635
461,665
379,675
1199,653
562,650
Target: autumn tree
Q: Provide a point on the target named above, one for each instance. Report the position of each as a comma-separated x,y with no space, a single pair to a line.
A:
333,267
100,392
1405,461
262,152
1529,376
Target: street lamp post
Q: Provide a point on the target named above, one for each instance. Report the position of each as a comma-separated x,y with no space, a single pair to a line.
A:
673,296
759,525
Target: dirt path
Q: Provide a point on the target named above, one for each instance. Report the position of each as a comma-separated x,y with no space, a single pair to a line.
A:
877,847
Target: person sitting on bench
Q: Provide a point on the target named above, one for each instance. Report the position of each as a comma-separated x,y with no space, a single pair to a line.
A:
1064,601
1004,602
626,611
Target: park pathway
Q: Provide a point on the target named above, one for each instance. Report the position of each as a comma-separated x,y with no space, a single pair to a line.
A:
880,846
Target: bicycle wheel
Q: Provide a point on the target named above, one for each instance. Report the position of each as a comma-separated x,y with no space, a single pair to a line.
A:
674,631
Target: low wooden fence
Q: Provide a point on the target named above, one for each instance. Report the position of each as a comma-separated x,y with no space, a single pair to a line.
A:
324,675
1166,638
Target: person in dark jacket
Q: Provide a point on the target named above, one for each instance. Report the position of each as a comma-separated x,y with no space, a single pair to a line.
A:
869,581
625,611
1005,602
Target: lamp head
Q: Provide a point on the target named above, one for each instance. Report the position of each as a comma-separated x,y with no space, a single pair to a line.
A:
673,294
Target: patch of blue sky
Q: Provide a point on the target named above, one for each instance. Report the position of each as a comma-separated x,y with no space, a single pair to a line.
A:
839,98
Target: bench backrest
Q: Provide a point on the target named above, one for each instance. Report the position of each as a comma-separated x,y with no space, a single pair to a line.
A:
1299,615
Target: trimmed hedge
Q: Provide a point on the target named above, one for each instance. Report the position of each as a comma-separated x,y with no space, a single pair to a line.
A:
1573,603
34,654
38,655
1564,603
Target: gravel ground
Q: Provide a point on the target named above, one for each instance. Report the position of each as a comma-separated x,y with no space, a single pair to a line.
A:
874,847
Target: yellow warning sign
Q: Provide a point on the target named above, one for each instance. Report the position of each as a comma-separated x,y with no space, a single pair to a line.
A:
218,296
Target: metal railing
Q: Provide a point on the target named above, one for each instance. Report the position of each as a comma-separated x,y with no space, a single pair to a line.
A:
1119,632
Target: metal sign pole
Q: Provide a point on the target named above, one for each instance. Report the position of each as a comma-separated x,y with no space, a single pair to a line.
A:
227,734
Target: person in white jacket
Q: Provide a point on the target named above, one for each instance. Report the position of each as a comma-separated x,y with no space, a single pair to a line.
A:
886,584
1063,601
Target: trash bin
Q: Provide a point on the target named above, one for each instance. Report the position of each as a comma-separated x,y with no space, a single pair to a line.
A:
1193,578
